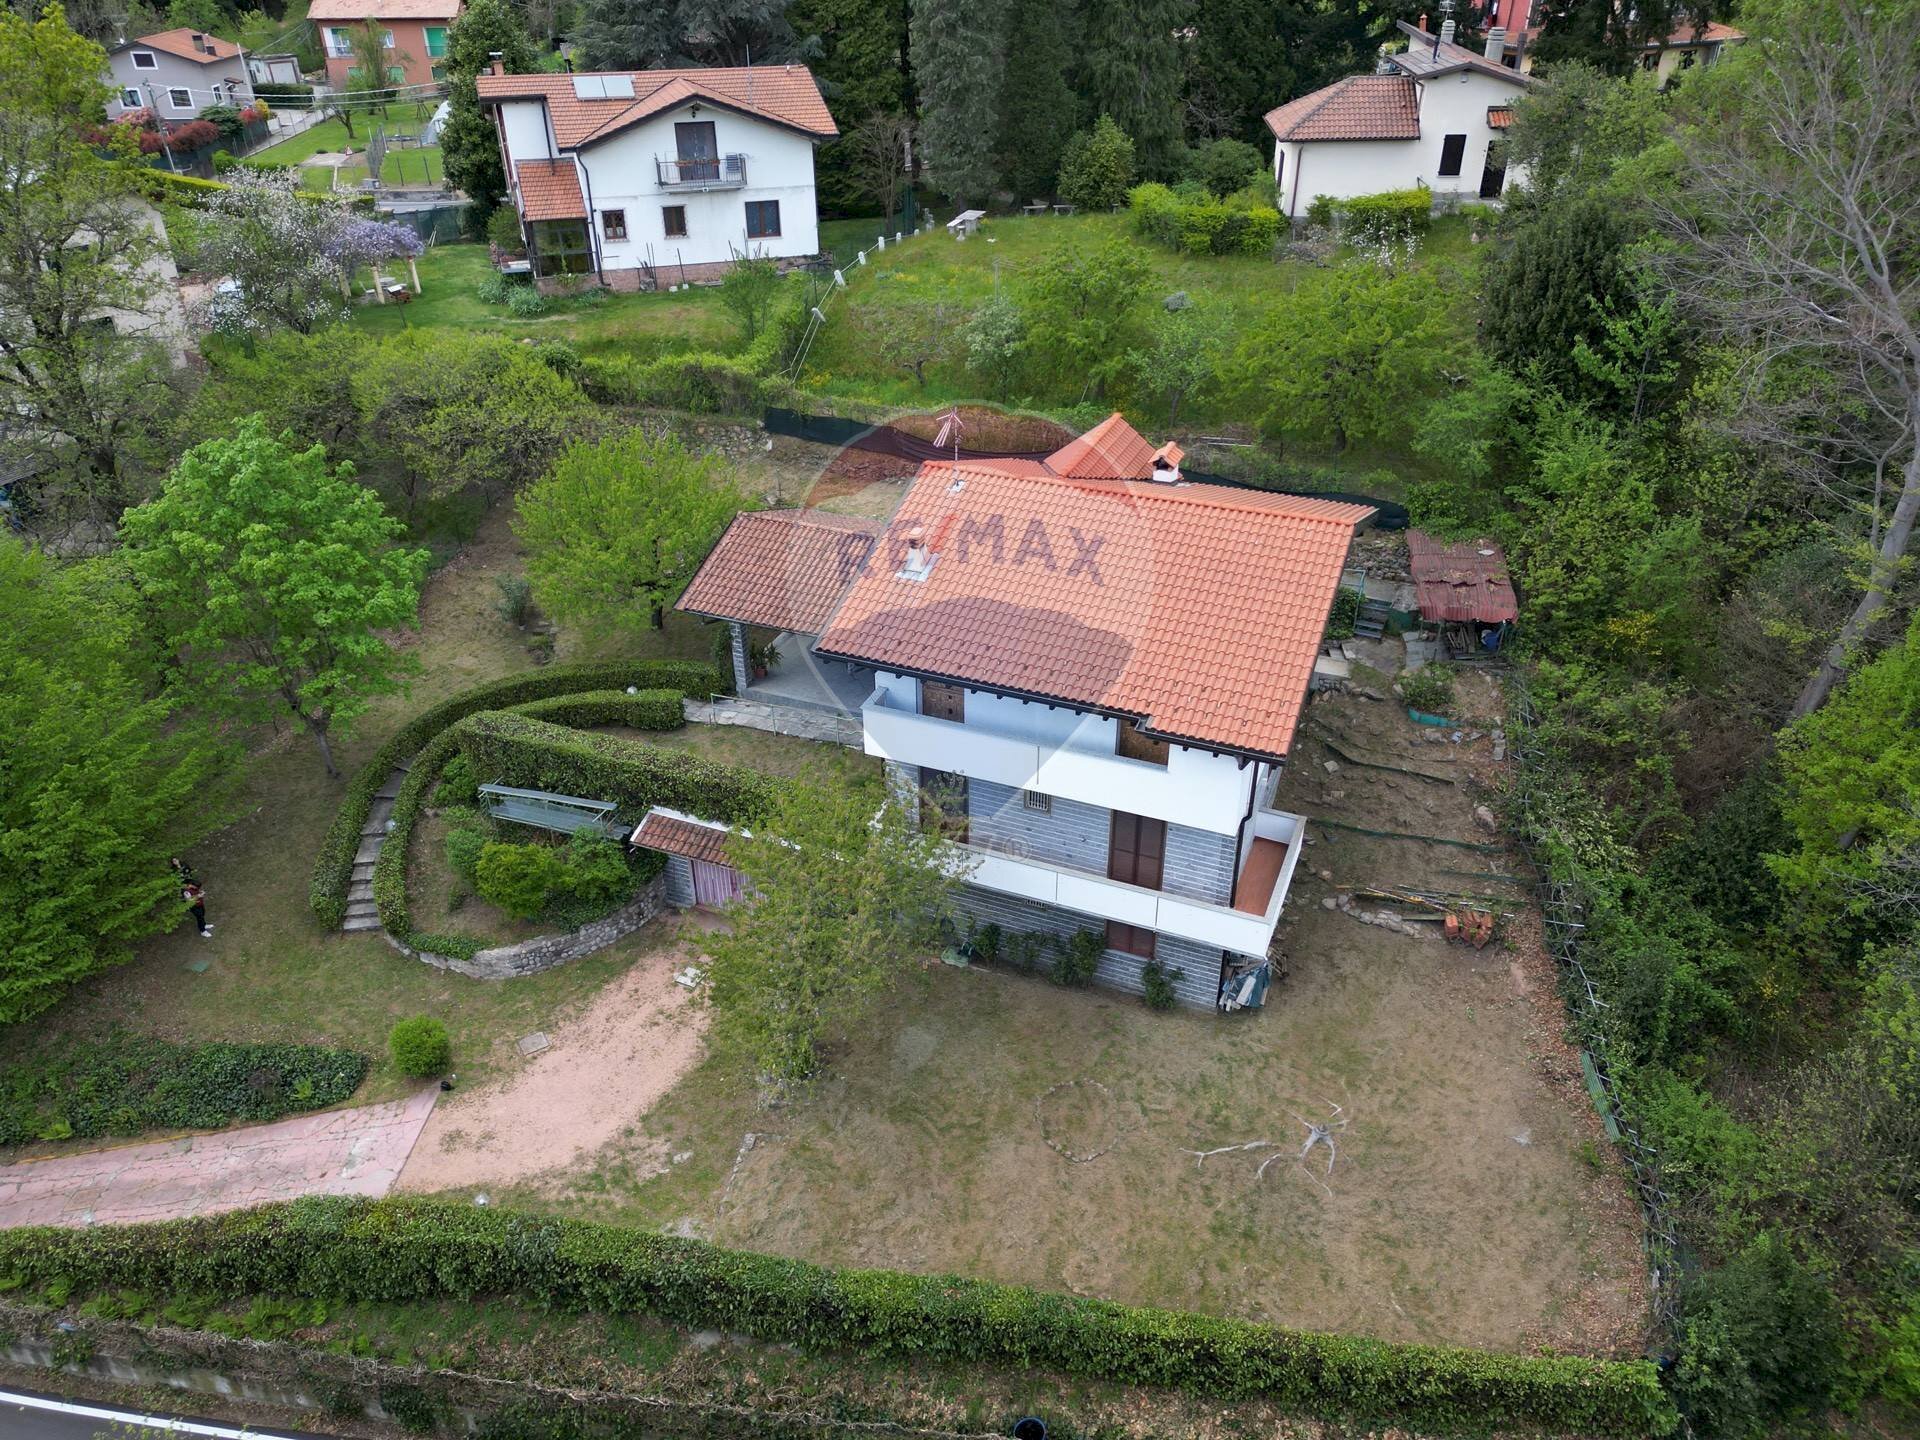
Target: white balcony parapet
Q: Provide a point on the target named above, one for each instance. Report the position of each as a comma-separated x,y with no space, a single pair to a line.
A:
895,731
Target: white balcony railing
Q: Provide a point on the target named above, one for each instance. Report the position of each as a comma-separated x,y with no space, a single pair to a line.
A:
895,731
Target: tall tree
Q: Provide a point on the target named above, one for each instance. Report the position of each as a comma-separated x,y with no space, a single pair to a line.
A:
469,145
1038,109
101,779
863,72
1549,290
78,244
615,531
959,59
1612,33
273,578
845,905
1083,310
1244,57
651,35
1794,243
1131,68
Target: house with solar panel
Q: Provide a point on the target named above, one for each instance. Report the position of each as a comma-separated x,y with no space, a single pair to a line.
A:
1433,114
644,179
1087,669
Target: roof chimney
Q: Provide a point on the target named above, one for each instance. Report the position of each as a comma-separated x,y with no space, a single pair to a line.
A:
1166,464
919,559
1446,30
1497,44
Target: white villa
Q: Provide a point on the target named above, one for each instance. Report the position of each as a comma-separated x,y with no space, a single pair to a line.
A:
660,176
1432,116
1094,669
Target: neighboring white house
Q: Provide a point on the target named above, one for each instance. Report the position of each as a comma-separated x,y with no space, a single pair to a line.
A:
1433,116
659,176
178,73
1092,667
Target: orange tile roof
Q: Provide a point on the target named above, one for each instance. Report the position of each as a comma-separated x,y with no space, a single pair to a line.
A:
1711,33
384,9
1499,117
660,831
782,94
784,569
1112,450
550,190
1360,107
1198,608
180,42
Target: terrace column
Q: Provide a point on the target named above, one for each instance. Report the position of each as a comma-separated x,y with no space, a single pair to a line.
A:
742,672
903,786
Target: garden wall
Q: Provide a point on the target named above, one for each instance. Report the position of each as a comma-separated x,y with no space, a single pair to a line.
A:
543,952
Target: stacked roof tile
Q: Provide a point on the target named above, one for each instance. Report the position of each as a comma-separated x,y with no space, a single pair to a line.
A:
783,569
550,190
1360,107
782,94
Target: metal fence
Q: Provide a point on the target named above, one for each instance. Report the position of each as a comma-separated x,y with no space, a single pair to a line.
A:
1564,910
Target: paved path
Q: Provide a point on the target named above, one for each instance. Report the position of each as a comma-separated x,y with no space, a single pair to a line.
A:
337,1152
30,1415
362,914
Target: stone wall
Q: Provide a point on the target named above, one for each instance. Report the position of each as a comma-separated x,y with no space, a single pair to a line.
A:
543,952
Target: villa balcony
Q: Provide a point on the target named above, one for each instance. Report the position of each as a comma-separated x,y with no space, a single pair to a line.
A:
1246,928
714,172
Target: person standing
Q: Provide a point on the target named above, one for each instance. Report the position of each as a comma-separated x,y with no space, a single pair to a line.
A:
196,899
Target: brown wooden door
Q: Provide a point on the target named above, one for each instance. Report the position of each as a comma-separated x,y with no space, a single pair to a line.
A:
942,701
699,154
1137,850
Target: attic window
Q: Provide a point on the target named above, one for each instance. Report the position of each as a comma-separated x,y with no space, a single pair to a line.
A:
143,60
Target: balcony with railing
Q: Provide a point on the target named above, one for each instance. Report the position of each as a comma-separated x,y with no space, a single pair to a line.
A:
711,172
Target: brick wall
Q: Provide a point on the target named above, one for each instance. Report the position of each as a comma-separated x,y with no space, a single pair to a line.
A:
1072,834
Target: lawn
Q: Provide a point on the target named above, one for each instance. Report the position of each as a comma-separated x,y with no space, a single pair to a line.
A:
411,165
638,324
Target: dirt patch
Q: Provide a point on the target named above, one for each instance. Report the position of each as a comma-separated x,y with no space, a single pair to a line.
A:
603,1070
985,429
867,482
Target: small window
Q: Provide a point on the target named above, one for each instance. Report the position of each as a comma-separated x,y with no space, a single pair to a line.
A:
1687,57
763,219
1130,939
143,60
1037,801
130,99
1650,62
674,219
180,99
1128,741
613,224
1453,150
386,39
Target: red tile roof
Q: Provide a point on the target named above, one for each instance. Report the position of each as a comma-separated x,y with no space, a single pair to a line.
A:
1460,582
784,569
550,190
1112,450
180,42
782,94
1499,117
1198,608
1713,32
384,9
1361,107
659,830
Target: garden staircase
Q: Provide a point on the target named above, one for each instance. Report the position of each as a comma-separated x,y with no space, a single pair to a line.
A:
1371,622
362,914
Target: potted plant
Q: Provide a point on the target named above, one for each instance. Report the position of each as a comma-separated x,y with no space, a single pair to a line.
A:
763,658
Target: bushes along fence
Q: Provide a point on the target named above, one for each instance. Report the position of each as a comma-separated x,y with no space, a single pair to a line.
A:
411,1250
333,869
1202,227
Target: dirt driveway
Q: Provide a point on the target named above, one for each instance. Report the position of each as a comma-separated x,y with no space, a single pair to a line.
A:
601,1072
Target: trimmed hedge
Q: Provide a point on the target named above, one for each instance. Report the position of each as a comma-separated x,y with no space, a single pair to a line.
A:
646,710
702,382
353,1250
1392,209
333,869
124,1085
538,755
1203,227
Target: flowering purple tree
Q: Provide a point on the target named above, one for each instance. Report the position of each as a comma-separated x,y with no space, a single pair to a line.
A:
356,240
269,243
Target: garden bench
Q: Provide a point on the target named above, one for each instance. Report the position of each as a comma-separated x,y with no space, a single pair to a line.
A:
1038,207
965,223
547,811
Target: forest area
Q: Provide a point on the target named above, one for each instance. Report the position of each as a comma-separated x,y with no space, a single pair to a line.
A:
1676,374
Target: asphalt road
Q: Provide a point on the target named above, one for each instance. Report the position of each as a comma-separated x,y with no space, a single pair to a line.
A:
29,1415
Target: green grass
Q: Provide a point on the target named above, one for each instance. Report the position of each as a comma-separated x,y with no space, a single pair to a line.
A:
414,165
643,325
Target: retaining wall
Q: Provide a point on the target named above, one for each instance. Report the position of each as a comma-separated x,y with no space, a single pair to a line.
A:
543,952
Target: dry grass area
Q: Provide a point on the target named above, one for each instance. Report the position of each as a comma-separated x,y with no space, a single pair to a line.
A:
999,1126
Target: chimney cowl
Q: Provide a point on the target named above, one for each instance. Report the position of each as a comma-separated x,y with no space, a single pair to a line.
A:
1446,30
1496,43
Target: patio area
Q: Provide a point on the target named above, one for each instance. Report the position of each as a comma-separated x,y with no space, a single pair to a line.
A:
811,681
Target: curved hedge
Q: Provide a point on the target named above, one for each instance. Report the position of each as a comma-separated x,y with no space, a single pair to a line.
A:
413,1250
333,868
524,751
644,710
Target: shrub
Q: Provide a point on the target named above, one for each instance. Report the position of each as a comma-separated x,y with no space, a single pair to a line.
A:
1389,213
494,289
123,1085
1076,957
1158,982
558,355
643,710
1320,210
225,119
596,871
520,879
327,895
458,784
1202,226
420,1047
463,854
524,302
1097,167
1345,612
394,1251
1224,166
503,230
224,163
1429,689
515,605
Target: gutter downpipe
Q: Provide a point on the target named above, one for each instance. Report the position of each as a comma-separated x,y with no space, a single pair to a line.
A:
1299,164
593,231
1240,838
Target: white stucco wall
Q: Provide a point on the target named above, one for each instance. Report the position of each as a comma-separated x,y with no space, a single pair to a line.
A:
619,173
1453,104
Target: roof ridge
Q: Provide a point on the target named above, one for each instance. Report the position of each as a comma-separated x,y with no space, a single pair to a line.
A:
1188,492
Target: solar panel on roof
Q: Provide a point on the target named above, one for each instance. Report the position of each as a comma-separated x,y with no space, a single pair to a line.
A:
619,87
589,87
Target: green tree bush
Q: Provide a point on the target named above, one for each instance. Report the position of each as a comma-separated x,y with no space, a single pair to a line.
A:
420,1047
1224,166
749,292
469,143
1084,311
1096,167
521,879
